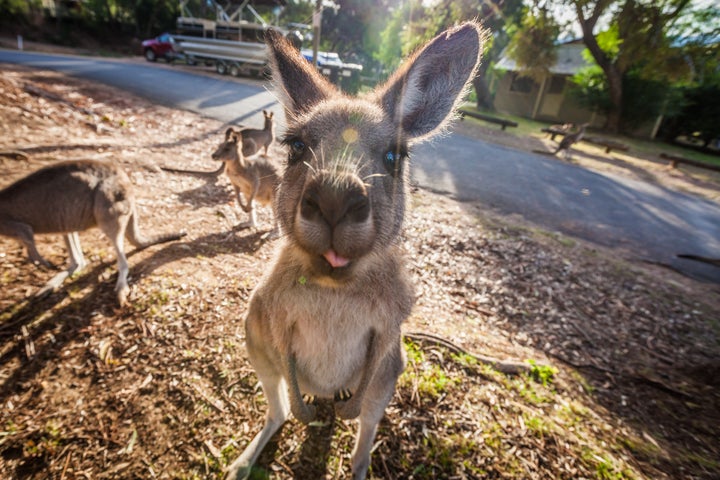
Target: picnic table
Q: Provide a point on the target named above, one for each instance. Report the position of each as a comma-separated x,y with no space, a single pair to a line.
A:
677,159
488,118
609,145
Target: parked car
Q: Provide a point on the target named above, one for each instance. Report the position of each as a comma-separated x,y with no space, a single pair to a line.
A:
162,46
345,75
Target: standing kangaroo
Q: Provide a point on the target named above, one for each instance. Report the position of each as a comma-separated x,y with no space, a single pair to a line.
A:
257,179
254,138
570,139
325,320
70,197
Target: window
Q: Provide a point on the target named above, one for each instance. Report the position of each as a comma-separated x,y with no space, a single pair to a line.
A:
521,84
557,85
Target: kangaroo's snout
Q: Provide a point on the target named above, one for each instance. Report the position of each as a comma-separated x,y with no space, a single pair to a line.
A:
335,200
334,219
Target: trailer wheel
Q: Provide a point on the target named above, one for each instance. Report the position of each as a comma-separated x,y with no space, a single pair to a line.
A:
150,55
221,68
234,69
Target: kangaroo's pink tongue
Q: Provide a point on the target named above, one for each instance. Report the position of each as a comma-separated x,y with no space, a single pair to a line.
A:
334,259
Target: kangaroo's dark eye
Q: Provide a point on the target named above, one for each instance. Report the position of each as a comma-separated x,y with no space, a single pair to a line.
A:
392,161
297,146
296,149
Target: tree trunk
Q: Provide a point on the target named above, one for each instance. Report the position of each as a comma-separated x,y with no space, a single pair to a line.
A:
482,89
615,90
484,98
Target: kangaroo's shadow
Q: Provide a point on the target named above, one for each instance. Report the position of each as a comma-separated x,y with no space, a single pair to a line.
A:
314,451
46,321
207,246
68,322
212,193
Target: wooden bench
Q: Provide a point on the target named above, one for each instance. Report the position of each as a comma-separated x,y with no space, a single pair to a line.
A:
677,159
608,144
488,118
554,131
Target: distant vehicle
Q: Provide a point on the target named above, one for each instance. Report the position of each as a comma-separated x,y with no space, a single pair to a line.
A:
162,46
248,58
329,64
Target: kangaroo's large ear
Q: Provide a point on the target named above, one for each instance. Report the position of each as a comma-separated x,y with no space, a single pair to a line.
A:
297,82
422,95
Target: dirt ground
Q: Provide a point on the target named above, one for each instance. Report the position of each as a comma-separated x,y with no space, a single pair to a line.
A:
623,359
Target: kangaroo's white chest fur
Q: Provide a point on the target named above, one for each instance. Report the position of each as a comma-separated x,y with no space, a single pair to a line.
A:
327,328
329,341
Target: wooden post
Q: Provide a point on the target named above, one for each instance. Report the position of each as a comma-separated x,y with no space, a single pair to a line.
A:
316,22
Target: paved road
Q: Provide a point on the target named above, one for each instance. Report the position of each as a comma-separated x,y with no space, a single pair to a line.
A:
650,222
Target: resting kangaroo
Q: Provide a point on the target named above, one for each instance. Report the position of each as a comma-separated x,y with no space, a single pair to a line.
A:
325,320
257,179
70,197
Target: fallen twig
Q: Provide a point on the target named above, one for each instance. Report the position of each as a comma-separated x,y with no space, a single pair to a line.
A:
506,367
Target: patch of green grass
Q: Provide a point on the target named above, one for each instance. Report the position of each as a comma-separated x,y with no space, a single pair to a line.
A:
530,393
443,456
433,381
467,361
606,468
414,354
536,425
542,373
492,437
572,413
427,379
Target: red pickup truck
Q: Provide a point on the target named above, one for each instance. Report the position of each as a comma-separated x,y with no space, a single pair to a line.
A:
161,46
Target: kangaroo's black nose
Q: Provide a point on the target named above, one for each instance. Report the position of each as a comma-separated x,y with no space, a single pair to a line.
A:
335,201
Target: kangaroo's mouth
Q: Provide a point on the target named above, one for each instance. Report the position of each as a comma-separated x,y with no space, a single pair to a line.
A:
335,260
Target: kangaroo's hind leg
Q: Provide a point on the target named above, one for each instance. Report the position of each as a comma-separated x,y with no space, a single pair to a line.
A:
376,399
76,263
113,210
248,208
25,235
274,387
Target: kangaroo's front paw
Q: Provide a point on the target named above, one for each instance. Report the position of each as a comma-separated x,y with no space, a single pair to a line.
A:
304,412
347,406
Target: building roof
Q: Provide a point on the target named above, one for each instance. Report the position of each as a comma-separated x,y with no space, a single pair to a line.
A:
569,60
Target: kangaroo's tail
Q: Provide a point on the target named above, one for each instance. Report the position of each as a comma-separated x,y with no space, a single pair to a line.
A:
197,173
141,241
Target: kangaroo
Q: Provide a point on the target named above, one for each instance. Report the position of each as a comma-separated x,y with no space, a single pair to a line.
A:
70,197
256,179
254,138
325,320
570,139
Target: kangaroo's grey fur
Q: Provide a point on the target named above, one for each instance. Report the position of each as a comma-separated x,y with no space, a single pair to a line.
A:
70,197
254,139
326,318
257,179
570,139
